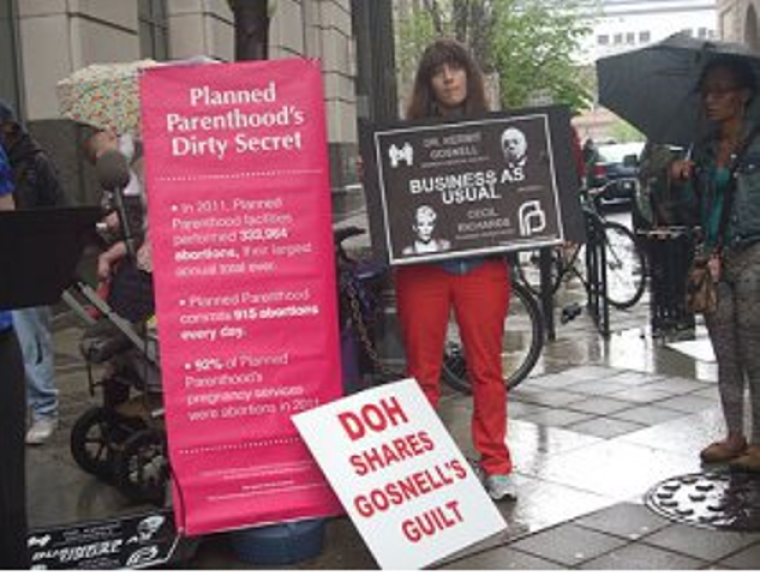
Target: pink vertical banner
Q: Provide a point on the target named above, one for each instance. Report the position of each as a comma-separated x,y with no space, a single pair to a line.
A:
240,225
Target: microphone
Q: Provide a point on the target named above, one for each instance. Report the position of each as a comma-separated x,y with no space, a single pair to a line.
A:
112,170
114,175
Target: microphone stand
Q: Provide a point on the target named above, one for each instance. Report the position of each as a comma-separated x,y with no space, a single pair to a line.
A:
114,175
124,224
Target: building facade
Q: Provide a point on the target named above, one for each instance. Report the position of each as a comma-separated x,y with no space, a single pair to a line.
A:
622,25
739,21
44,41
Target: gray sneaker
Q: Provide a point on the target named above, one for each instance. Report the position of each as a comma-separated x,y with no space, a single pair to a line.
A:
500,487
41,431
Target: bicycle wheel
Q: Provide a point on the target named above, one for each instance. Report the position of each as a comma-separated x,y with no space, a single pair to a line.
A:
521,348
626,267
528,264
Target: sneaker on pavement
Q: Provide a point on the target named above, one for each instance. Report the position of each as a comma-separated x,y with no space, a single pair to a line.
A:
41,431
500,487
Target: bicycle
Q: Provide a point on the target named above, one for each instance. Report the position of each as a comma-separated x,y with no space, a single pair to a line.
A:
361,296
522,344
625,263
360,283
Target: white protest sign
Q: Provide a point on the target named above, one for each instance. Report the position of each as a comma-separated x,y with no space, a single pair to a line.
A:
404,483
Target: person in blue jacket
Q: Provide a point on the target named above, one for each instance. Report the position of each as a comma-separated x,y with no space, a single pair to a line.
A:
36,183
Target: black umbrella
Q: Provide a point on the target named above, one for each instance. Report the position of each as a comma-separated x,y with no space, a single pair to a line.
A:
655,88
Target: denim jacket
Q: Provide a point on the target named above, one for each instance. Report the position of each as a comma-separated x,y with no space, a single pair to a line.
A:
743,226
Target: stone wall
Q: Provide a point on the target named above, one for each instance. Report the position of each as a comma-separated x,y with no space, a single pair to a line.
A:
57,37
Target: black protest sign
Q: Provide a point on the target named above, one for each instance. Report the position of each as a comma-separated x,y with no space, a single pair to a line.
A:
135,541
441,190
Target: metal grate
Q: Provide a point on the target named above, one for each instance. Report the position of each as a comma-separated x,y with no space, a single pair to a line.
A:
721,499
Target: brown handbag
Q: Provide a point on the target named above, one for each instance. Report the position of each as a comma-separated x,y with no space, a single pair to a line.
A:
701,292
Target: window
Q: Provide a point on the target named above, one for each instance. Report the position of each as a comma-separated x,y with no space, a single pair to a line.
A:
618,38
630,37
645,37
154,29
603,40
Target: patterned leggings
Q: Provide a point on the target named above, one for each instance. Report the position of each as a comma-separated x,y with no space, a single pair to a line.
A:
734,330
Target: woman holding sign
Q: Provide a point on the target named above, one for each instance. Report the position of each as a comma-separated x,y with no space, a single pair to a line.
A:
449,85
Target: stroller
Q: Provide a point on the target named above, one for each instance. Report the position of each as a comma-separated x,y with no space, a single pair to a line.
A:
122,441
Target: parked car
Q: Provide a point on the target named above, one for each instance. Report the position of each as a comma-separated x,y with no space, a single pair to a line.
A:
615,166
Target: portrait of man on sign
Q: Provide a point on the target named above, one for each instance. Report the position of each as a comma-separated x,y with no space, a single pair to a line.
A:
515,147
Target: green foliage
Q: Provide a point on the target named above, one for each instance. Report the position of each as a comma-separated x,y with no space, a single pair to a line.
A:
533,51
621,131
413,35
529,43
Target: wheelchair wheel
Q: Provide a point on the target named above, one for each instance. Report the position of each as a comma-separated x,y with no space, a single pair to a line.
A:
94,437
141,467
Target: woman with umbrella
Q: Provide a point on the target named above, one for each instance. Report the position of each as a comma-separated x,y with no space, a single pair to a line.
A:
724,177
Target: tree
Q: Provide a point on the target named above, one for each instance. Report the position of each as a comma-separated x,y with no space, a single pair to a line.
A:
469,21
529,43
251,29
534,51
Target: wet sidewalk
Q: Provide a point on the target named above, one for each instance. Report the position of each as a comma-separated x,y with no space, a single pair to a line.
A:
602,423
598,424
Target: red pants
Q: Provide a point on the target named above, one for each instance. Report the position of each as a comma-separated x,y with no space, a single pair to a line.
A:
426,294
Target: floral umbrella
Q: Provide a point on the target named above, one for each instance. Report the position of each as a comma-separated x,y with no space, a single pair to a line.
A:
104,95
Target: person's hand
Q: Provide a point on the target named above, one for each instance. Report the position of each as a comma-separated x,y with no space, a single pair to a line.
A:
145,257
112,220
681,170
104,267
109,258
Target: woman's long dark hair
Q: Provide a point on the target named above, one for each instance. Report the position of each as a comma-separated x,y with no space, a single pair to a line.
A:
423,103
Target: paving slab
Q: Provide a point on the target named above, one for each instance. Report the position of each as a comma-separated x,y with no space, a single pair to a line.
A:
568,544
606,428
701,542
629,520
747,559
503,559
642,557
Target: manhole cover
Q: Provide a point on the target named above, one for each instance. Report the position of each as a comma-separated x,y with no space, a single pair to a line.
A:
720,499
